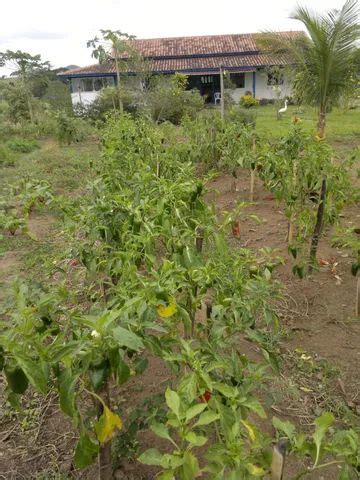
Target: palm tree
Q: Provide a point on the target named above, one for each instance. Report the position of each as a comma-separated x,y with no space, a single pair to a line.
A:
328,59
325,62
325,59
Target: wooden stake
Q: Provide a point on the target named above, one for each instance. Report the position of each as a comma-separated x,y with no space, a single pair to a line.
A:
222,90
357,301
290,231
252,183
278,459
318,226
252,173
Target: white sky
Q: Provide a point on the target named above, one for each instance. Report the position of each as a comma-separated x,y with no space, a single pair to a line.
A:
59,29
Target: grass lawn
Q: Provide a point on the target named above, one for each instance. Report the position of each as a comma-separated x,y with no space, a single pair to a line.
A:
343,127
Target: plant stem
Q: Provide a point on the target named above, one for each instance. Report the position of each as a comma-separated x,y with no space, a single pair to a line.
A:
318,226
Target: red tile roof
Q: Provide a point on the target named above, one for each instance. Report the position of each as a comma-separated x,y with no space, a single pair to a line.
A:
196,55
200,45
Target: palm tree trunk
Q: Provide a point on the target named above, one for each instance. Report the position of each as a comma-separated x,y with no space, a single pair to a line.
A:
318,226
321,122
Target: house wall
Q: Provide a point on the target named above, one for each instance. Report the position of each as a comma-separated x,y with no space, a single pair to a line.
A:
239,92
262,89
83,97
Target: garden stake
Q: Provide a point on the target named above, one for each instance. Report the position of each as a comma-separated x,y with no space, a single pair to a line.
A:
318,226
278,459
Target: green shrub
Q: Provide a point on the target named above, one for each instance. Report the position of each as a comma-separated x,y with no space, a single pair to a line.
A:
248,101
168,100
242,115
70,129
22,145
6,157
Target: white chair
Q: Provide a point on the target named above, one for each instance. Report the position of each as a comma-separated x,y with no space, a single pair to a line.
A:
217,97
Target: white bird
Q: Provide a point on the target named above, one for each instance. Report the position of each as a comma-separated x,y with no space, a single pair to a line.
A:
283,110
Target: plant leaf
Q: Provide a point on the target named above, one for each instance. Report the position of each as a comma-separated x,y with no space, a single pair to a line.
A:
322,424
195,410
107,425
173,401
152,456
66,387
36,372
86,451
126,338
284,426
206,418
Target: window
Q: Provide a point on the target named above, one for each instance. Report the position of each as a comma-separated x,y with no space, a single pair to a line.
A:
238,79
275,78
98,84
207,79
108,81
87,85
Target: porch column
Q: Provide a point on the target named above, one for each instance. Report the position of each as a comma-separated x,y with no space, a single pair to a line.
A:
254,83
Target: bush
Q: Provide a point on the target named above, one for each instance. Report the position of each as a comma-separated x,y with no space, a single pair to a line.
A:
6,157
266,101
168,100
248,101
22,145
70,129
242,115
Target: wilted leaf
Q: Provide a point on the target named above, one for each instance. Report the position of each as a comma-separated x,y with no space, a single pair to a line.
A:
168,310
107,425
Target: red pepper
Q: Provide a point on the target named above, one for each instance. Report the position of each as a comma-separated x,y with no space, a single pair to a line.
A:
206,397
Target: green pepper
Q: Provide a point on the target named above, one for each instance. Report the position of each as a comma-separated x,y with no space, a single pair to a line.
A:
293,251
98,373
16,378
354,268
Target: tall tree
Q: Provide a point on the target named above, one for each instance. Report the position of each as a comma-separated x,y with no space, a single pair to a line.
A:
113,46
25,67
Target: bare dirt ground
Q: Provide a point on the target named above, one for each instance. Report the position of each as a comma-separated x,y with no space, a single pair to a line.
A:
318,322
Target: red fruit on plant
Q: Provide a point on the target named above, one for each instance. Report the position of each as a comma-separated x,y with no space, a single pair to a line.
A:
74,262
205,397
236,229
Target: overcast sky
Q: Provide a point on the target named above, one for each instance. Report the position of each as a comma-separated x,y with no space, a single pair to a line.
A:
59,29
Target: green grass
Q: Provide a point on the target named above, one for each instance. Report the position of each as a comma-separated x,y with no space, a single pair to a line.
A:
67,170
342,132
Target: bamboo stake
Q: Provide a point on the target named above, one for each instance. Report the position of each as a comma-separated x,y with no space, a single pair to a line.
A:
252,173
278,459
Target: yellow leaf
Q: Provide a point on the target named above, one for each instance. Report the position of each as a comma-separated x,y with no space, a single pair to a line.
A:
107,425
250,430
168,310
255,470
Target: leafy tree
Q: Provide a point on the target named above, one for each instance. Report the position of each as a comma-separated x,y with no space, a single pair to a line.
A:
26,67
114,46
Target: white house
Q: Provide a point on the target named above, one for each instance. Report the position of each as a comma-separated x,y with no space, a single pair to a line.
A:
200,58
